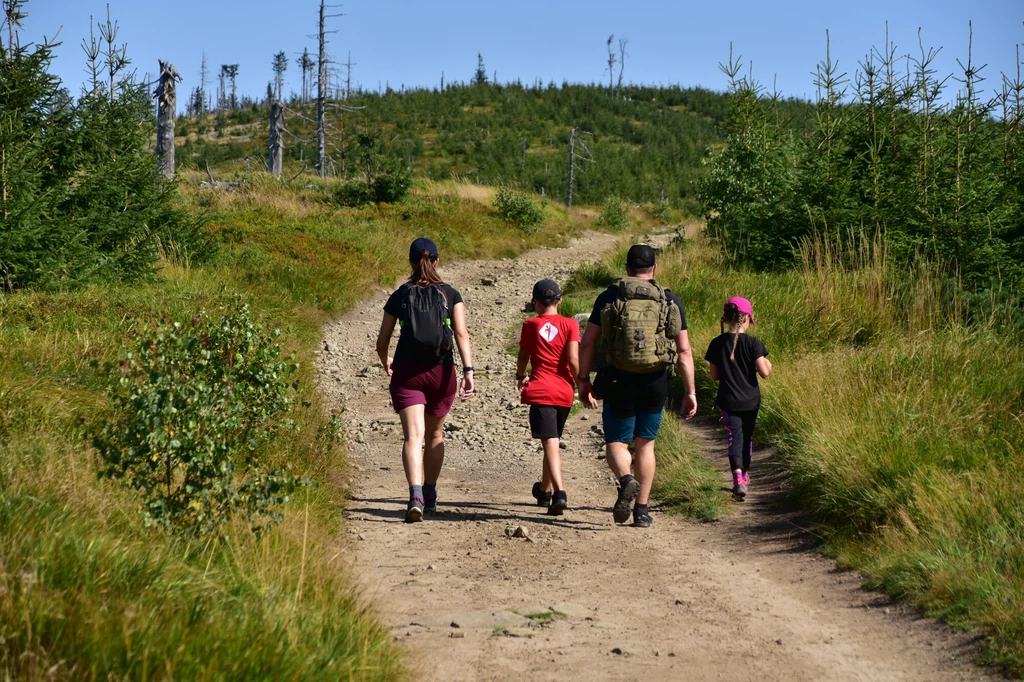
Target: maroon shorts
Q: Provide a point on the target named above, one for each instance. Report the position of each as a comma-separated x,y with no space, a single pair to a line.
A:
431,385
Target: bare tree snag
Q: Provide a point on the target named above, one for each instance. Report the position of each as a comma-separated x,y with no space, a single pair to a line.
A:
274,163
321,96
579,153
623,42
204,79
166,99
348,76
611,63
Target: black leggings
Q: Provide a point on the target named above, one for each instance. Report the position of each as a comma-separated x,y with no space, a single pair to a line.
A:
740,427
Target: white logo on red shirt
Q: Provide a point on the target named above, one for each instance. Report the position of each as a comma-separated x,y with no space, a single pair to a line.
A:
548,332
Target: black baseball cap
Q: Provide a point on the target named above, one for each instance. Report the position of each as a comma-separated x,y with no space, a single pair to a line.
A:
422,244
640,257
546,290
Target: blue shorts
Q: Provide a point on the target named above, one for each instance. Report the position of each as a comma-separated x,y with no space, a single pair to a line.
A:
625,425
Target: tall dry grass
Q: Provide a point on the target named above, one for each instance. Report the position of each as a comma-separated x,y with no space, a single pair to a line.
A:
898,414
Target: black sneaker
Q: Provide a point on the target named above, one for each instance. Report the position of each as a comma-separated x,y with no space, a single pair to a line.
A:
415,512
430,505
641,518
559,503
543,498
624,503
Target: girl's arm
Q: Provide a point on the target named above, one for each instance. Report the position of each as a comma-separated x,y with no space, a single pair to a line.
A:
763,366
713,371
572,350
465,352
387,328
521,362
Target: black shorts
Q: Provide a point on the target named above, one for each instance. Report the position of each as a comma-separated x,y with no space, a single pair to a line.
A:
547,421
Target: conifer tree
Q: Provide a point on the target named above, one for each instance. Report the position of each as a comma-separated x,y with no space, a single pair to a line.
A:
279,65
480,77
81,196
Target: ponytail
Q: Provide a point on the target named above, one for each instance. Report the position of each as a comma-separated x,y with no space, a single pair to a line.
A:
424,271
734,318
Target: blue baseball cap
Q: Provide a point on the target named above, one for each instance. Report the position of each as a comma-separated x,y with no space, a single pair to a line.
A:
422,244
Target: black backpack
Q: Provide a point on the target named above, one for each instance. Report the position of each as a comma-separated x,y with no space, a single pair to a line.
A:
426,321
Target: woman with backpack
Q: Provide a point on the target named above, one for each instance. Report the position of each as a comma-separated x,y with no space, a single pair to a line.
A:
423,378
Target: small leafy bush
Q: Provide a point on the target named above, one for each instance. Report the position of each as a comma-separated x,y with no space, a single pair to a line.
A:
660,210
518,209
388,187
197,404
614,215
392,185
353,194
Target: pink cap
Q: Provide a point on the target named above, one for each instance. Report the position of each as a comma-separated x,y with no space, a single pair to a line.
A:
742,305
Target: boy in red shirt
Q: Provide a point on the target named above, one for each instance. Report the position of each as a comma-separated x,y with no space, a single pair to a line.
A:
550,344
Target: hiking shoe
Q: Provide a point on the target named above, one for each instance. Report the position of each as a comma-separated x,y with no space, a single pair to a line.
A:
624,503
559,503
543,498
641,518
415,511
739,490
746,478
430,505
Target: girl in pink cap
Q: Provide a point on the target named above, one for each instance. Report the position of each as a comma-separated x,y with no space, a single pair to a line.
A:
736,361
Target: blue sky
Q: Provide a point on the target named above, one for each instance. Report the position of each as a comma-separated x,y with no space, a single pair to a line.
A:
412,42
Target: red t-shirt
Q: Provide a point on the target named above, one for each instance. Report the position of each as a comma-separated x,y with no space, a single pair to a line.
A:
545,337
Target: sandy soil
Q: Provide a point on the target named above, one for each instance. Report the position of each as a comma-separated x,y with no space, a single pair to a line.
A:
744,598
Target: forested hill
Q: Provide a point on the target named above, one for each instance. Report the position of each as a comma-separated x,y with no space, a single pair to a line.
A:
646,143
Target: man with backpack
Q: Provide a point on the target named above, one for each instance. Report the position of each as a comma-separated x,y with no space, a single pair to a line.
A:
637,330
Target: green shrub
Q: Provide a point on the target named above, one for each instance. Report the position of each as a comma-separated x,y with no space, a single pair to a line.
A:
197,404
661,210
392,185
518,209
353,194
614,215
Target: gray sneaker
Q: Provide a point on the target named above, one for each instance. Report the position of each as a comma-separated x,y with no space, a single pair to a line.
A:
624,504
739,491
414,513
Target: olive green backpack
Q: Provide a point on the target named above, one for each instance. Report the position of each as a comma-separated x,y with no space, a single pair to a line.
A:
639,329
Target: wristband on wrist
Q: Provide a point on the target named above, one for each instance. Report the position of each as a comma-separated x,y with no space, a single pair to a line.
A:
467,369
693,394
520,377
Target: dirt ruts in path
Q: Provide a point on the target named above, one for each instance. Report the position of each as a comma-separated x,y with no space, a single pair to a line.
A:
579,596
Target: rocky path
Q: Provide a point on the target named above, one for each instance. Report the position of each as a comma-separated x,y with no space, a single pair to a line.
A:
579,596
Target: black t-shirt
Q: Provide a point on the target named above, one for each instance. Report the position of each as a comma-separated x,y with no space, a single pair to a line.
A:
737,381
405,351
647,392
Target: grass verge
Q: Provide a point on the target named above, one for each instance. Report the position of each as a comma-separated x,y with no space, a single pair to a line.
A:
86,591
900,426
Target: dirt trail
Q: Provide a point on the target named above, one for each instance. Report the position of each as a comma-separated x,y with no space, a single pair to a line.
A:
739,599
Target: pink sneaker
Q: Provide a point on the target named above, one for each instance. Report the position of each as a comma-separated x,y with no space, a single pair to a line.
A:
746,478
739,487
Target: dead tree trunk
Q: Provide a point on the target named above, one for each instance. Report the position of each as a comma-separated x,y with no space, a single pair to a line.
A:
348,77
622,64
166,99
572,167
321,97
611,63
274,163
579,152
